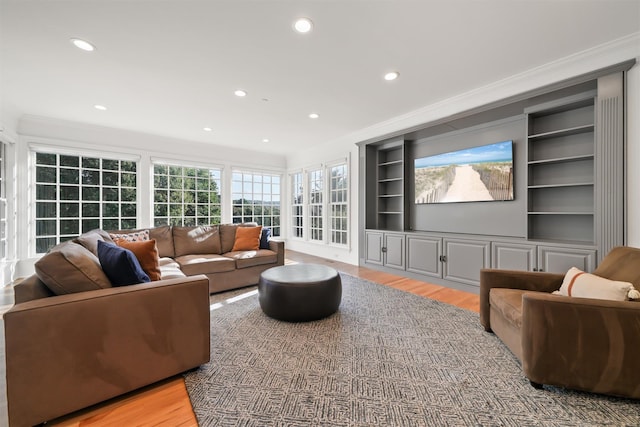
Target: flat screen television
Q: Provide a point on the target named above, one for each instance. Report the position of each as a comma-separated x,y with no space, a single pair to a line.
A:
483,173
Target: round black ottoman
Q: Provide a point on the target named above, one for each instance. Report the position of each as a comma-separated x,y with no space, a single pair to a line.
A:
300,292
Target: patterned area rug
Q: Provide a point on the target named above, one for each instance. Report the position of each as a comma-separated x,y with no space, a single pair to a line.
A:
386,358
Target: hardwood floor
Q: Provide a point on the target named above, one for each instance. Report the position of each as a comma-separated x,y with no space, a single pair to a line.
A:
167,403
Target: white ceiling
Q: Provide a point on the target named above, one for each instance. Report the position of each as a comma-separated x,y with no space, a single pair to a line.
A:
170,67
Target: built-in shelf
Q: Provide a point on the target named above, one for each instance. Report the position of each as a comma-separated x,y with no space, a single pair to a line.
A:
561,159
561,172
560,213
386,177
563,132
577,184
393,162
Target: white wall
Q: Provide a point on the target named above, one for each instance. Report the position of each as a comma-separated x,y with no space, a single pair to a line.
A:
78,137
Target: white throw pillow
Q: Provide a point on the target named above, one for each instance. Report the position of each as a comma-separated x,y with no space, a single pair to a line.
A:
577,283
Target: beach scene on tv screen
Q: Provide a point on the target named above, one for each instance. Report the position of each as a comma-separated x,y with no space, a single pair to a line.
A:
483,173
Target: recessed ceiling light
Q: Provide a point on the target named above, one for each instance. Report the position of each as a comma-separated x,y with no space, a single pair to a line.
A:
100,107
313,116
303,25
207,129
240,93
84,45
265,140
392,75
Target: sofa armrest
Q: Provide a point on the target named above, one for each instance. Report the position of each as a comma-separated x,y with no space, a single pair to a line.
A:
582,343
278,247
67,352
513,279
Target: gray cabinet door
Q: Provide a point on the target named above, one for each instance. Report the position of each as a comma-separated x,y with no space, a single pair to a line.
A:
373,242
423,255
394,250
560,260
513,256
464,259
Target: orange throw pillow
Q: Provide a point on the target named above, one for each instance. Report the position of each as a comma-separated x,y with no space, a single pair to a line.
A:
247,238
147,253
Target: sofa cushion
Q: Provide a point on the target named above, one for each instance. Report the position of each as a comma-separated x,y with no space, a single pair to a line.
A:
70,267
133,236
247,239
170,269
246,259
90,239
146,253
205,264
204,239
163,236
508,302
265,237
120,265
577,283
227,237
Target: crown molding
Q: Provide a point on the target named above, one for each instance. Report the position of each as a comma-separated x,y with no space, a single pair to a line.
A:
584,62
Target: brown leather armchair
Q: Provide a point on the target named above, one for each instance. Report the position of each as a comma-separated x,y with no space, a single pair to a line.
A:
579,343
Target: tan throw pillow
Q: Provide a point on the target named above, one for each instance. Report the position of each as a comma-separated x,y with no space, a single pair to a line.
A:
577,283
247,239
147,254
136,236
204,239
70,267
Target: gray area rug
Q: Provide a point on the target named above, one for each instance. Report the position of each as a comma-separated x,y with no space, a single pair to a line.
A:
386,358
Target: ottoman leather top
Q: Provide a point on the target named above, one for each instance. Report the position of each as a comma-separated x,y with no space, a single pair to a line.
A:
299,274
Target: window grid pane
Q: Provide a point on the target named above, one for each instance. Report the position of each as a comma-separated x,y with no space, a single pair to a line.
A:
186,196
75,194
339,214
315,205
256,198
297,202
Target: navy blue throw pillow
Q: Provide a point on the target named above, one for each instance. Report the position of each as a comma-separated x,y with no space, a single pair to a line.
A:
265,237
120,265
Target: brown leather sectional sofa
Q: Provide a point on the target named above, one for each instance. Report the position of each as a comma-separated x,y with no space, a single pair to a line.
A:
90,342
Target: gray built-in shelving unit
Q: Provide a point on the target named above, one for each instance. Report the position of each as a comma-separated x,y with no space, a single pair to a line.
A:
387,200
569,181
560,161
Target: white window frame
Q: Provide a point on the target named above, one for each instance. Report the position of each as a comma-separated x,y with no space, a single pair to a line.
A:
326,206
316,208
198,217
297,194
338,225
257,188
35,149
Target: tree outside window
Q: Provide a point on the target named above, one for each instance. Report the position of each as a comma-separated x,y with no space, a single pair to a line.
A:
186,196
